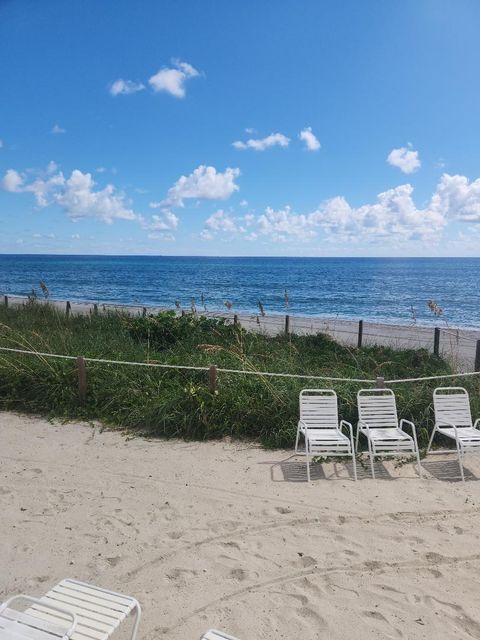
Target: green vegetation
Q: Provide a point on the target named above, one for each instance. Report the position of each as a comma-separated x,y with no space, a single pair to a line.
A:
177,403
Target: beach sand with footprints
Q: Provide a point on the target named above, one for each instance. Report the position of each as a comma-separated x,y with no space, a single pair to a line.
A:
228,535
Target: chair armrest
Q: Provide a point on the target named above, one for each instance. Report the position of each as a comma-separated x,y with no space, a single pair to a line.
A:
412,426
304,425
477,424
362,425
344,423
7,604
447,424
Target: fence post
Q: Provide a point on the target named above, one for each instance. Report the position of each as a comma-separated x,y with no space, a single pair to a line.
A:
5,298
144,311
436,342
82,379
287,325
477,357
68,308
380,383
212,379
235,320
183,312
360,333
95,309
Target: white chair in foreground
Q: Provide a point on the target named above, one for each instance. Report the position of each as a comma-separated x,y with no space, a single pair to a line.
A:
216,635
71,609
453,419
320,427
378,421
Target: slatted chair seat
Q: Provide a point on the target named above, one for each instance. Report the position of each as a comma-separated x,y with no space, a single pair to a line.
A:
97,612
453,418
378,422
211,634
321,429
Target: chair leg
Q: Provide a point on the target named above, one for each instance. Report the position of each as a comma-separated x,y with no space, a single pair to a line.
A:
307,457
431,439
358,436
371,457
460,464
296,441
354,462
419,465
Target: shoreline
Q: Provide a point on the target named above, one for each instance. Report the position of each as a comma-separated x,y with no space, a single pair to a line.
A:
456,344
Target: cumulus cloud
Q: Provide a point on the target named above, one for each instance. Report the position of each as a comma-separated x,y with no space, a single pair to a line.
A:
172,79
56,129
167,221
392,216
405,159
204,183
125,87
311,141
76,195
260,144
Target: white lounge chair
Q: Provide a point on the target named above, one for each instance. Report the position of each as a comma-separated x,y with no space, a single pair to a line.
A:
378,421
453,418
321,429
211,634
71,609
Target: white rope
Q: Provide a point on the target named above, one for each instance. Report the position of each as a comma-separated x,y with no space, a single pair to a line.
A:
241,371
192,368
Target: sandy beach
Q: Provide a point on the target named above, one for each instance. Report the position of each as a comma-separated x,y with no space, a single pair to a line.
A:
231,536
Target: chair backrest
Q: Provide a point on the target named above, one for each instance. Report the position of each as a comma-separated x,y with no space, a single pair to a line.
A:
319,408
452,406
378,408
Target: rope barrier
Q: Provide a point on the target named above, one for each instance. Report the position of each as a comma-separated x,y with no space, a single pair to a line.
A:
237,371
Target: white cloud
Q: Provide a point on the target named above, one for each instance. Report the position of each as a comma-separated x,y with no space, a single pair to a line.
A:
392,217
52,167
167,221
204,183
221,221
79,200
76,195
457,198
161,236
12,181
172,79
244,203
56,129
311,141
405,158
273,140
125,87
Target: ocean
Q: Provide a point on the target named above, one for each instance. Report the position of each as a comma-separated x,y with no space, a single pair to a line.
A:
392,290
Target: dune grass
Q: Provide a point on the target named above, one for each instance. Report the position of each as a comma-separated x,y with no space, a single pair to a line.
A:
178,403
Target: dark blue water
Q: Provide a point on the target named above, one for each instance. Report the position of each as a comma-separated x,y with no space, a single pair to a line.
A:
378,289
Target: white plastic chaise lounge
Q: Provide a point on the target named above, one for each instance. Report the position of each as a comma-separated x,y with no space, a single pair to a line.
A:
453,418
216,635
321,429
378,422
72,609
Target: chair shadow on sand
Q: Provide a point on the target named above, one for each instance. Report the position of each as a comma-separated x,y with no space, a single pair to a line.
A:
293,469
447,470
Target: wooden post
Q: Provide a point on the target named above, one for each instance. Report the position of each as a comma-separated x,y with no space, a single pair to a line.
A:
287,325
477,357
235,320
82,379
212,379
436,342
360,333
380,383
68,309
144,311
183,312
95,309
5,298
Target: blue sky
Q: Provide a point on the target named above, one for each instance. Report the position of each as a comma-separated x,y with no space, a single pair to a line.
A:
240,128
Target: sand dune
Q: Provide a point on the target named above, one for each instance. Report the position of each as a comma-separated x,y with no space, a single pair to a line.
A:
229,535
